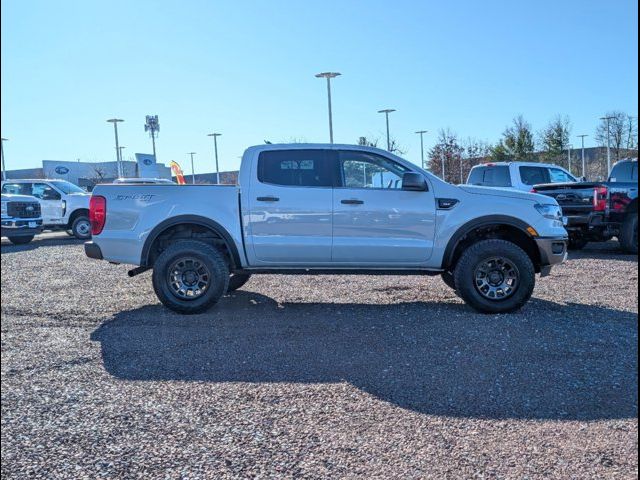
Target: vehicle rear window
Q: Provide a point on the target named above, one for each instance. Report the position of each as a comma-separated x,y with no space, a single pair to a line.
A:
497,176
299,168
624,172
534,175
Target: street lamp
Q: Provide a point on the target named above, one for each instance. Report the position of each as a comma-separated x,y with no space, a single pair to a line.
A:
569,157
4,169
215,149
386,112
421,133
584,164
121,161
115,122
193,172
608,143
329,76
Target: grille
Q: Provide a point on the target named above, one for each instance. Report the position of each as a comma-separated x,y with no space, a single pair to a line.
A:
23,209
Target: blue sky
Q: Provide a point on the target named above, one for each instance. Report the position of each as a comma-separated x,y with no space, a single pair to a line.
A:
246,69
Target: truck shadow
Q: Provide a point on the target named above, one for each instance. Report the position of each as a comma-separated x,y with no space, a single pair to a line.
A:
39,242
430,358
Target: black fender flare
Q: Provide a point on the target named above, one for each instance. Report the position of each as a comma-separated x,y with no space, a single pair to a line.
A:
195,220
486,221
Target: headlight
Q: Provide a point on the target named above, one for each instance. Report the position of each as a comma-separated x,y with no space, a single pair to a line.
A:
550,211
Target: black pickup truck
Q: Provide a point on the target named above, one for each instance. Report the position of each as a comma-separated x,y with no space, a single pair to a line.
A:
598,211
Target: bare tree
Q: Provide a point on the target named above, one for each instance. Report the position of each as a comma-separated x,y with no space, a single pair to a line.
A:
620,131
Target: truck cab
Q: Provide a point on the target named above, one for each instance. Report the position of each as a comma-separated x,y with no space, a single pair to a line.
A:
65,206
518,175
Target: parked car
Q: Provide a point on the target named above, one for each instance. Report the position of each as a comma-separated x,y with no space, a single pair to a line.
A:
21,218
144,181
519,175
314,209
599,211
65,206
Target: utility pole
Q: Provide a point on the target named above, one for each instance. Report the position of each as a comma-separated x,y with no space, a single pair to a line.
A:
329,76
608,119
421,133
386,112
584,164
115,122
215,150
152,126
4,168
193,172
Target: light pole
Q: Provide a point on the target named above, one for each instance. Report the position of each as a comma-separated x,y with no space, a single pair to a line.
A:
569,157
608,118
121,161
329,76
215,150
442,156
4,169
193,172
584,163
386,112
421,133
115,122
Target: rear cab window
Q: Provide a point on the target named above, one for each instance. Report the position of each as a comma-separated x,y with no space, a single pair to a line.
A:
534,175
624,172
490,176
296,168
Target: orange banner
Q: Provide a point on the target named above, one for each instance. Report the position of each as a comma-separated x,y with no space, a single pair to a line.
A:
177,171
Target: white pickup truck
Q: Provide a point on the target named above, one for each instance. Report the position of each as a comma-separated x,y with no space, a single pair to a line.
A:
65,206
339,209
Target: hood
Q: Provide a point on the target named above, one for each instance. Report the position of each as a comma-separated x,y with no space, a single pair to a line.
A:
506,192
6,197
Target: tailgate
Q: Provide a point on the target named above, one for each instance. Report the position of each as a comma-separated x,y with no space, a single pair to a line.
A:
574,198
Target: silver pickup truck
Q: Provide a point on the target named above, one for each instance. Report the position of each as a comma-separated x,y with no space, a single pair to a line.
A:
340,209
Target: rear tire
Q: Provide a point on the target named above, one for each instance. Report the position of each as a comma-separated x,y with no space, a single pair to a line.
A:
577,242
629,234
190,276
22,240
237,280
81,227
495,267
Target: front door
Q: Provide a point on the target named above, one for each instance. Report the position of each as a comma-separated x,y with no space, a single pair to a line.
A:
290,205
51,203
375,221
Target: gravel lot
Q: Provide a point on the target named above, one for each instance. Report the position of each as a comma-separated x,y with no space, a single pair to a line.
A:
328,376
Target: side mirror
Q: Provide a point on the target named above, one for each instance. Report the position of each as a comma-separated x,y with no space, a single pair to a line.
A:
414,182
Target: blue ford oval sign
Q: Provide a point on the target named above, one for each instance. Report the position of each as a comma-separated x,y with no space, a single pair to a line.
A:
62,170
147,161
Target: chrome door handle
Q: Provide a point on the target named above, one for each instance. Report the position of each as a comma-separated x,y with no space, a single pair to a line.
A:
352,202
267,199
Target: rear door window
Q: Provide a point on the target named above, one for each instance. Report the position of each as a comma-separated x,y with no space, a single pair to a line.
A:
534,175
296,168
490,176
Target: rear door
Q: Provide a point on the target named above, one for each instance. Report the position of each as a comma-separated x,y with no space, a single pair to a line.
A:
376,222
290,207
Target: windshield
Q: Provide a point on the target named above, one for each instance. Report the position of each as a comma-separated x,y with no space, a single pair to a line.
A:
67,187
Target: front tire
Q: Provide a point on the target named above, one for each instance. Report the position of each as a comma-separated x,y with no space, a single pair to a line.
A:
190,276
629,234
22,240
495,276
81,227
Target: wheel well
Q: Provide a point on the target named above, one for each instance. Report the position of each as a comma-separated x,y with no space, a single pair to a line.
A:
496,231
75,214
191,231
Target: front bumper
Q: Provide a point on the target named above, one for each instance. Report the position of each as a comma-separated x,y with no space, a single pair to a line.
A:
553,251
21,228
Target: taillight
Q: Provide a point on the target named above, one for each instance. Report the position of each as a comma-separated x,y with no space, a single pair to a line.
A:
533,190
600,199
97,214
